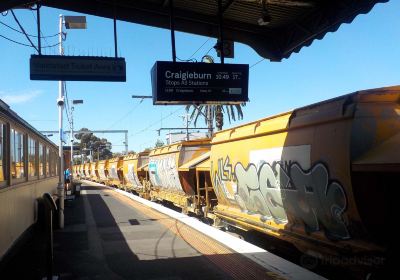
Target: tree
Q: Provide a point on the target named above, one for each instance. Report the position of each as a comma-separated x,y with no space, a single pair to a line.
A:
100,148
217,113
159,143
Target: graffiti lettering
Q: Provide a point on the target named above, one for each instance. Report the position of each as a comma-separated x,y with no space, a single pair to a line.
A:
164,173
131,176
279,190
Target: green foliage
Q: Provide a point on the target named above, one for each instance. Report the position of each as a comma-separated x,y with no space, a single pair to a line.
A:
159,143
234,112
100,147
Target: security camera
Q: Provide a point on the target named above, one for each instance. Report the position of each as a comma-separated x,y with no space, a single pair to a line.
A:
60,101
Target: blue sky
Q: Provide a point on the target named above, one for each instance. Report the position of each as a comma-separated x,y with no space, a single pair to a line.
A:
361,55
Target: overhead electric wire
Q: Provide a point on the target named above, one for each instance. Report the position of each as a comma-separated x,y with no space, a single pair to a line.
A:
41,34
67,103
26,45
209,50
11,40
199,48
154,123
127,114
23,30
261,60
30,35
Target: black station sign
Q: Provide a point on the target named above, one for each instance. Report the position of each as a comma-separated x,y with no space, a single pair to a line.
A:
77,68
199,83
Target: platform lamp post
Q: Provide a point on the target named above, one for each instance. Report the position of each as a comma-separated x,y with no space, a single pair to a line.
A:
71,22
74,102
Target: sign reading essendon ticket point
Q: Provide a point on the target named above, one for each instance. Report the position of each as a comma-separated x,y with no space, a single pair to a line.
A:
199,83
77,68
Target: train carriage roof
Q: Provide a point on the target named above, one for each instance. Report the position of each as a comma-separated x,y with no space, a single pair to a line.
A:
273,28
9,113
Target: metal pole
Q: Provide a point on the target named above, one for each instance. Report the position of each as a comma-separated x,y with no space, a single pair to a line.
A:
221,33
60,103
72,144
115,32
38,28
126,142
187,127
172,27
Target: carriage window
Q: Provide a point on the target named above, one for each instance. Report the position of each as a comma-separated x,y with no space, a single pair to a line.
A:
47,162
1,153
41,160
32,156
56,162
53,162
17,154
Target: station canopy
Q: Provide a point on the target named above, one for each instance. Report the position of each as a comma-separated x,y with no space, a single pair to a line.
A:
273,28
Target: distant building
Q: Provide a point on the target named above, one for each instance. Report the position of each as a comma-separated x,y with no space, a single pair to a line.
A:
174,137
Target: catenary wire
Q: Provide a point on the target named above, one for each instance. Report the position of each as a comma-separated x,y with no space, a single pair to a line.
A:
23,31
30,35
25,45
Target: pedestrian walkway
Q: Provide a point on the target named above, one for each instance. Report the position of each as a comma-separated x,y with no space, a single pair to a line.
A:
109,236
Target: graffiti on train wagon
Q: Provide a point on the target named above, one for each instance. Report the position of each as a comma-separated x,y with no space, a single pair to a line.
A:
164,172
279,189
131,176
102,172
113,172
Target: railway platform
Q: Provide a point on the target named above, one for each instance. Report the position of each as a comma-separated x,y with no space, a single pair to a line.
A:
110,234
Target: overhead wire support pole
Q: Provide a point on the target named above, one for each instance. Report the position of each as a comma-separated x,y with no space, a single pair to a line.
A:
38,29
72,143
172,28
126,142
60,103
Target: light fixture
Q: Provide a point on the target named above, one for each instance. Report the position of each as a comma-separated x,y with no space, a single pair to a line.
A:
75,22
79,101
207,59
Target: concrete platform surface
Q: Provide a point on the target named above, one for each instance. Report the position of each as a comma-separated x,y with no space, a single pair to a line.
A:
109,236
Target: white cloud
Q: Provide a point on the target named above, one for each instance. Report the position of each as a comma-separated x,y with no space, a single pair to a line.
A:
19,96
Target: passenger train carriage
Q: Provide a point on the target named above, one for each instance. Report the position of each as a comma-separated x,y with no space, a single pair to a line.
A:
319,176
28,169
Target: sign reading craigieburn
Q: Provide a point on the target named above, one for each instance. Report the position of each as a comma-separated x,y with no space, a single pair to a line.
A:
199,83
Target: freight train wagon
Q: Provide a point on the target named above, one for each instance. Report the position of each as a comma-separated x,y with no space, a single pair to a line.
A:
319,177
135,173
174,178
